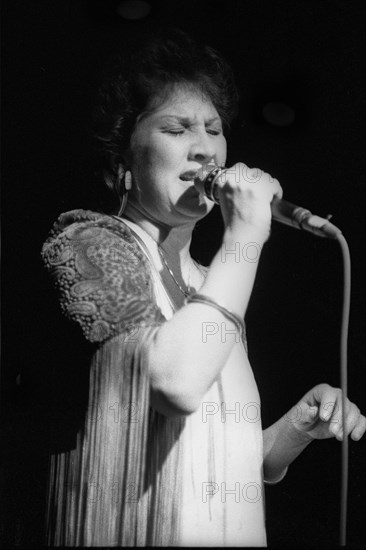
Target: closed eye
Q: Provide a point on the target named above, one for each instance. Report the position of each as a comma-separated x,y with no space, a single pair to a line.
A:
175,132
180,131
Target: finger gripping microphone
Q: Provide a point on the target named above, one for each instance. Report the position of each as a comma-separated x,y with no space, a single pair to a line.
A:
282,211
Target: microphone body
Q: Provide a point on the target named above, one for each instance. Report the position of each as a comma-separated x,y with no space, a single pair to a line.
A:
282,211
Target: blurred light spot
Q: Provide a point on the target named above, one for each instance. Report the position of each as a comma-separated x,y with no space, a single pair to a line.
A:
278,114
133,9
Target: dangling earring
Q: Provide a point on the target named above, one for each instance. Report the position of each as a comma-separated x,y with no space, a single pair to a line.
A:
128,180
127,177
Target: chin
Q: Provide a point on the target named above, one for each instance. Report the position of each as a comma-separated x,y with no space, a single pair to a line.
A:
196,210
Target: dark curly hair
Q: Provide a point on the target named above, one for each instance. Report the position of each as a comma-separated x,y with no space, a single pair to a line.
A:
131,79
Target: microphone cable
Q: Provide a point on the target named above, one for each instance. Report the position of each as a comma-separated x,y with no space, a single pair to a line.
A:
343,380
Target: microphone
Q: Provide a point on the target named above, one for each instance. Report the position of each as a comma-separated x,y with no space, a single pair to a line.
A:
282,211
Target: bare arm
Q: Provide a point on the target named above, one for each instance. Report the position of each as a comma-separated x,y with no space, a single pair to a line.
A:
183,365
318,415
189,350
282,443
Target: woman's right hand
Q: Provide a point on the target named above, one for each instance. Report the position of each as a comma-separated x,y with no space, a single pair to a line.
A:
245,195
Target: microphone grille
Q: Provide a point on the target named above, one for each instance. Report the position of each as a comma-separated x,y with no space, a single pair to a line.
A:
205,170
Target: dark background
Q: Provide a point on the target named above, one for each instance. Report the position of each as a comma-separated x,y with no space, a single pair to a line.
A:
308,54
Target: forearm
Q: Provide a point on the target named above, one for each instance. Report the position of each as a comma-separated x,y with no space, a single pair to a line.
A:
282,443
190,349
232,272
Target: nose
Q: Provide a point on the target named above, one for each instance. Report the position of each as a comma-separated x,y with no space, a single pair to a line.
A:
202,147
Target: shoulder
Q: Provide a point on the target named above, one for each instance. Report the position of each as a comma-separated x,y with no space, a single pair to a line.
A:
84,226
101,272
85,234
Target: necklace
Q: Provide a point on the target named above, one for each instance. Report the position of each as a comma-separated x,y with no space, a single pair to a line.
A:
162,255
185,292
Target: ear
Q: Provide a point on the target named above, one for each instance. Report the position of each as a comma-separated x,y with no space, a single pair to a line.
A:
120,172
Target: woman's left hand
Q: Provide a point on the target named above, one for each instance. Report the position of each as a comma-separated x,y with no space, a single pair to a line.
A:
319,415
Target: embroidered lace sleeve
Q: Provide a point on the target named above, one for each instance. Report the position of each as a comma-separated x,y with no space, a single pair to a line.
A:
103,276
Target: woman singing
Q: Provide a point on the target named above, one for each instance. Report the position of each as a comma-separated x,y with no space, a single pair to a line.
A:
172,451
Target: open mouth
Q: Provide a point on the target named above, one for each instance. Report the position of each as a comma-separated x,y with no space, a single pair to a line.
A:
188,176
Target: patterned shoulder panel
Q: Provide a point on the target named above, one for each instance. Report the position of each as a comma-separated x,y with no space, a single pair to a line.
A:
102,274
